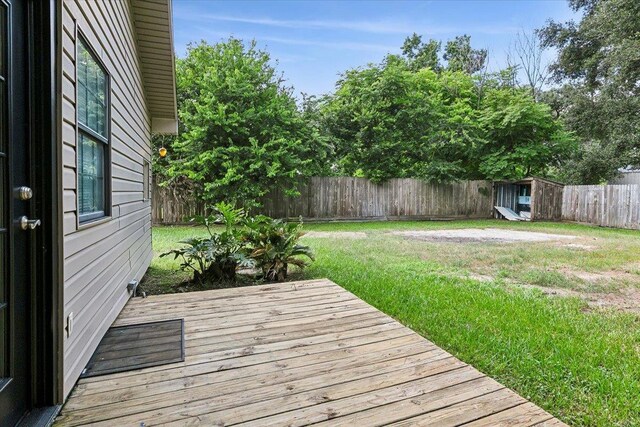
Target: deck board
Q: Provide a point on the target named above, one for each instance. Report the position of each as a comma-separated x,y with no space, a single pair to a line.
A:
293,354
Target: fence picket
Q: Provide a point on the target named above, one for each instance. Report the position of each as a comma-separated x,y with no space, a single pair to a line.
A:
604,205
346,198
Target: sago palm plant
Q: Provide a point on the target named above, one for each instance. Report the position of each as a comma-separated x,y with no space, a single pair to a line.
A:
215,258
273,244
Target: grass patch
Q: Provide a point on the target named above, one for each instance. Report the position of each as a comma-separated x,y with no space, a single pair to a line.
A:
583,367
545,278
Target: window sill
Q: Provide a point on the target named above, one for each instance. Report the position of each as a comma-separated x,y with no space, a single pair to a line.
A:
94,222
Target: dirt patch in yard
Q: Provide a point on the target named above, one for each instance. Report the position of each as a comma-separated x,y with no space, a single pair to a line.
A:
632,268
481,235
580,247
627,299
602,277
336,234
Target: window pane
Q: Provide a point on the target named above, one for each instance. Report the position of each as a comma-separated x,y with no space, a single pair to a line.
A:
90,175
92,91
82,101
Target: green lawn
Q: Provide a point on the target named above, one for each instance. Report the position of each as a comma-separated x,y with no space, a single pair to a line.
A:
580,363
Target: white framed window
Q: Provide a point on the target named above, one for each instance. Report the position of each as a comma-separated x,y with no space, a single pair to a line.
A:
93,135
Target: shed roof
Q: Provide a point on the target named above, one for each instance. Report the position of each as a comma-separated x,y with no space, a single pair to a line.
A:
154,32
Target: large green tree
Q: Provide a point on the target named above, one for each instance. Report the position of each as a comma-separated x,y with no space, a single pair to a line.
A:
421,54
391,120
458,54
241,133
599,65
522,137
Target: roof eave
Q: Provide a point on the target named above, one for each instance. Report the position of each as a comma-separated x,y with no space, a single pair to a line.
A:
154,35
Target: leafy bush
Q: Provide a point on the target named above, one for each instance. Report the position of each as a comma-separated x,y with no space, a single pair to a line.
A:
273,244
241,132
438,124
267,244
217,257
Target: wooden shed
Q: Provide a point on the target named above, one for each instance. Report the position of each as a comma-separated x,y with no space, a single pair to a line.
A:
533,198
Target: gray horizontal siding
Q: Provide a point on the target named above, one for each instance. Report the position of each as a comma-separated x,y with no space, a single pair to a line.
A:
100,260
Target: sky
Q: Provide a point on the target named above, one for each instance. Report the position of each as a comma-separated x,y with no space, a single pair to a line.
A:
314,41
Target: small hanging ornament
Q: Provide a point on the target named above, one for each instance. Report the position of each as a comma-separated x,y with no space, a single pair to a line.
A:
162,151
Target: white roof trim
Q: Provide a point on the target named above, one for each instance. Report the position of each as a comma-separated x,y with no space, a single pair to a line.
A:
154,32
164,126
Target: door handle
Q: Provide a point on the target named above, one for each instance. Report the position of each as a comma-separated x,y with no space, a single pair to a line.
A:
28,224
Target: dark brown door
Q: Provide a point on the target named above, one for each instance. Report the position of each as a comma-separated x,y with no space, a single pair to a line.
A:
16,204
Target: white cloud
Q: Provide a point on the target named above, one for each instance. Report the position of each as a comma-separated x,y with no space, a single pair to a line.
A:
336,45
345,45
362,26
379,27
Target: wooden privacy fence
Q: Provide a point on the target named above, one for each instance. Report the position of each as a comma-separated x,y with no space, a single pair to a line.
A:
603,205
169,206
346,198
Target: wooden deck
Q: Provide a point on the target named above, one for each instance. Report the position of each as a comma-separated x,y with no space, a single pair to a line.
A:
294,354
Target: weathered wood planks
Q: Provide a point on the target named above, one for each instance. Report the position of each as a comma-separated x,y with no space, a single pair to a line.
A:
344,198
546,200
255,356
604,205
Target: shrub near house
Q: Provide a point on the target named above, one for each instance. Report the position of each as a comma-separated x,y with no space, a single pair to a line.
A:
245,242
273,244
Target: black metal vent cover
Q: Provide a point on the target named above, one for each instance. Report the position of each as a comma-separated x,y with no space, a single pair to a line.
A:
125,348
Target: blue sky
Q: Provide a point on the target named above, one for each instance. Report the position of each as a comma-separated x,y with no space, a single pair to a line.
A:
314,41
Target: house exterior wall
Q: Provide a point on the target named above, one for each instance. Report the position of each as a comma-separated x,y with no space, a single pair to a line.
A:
100,259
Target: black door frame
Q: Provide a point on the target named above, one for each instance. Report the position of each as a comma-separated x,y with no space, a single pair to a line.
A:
15,387
33,55
46,156
44,40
